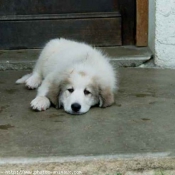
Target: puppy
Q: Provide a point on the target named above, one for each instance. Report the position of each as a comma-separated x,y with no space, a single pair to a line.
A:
71,75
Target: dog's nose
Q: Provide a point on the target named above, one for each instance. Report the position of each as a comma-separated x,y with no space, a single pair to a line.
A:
76,107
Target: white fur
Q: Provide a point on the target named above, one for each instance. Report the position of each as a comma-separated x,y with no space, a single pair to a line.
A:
64,59
40,103
33,81
23,79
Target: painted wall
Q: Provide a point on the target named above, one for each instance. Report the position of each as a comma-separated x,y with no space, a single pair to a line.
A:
165,33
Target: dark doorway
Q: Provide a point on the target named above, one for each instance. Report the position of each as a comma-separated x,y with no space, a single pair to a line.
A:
26,24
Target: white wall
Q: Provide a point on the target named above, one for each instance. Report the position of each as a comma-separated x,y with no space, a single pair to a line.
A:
164,33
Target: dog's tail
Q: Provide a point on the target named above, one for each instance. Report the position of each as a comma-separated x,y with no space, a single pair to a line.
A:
23,79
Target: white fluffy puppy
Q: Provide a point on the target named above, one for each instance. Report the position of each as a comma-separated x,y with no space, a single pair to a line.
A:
72,75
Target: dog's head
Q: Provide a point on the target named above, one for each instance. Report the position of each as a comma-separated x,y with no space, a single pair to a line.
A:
78,91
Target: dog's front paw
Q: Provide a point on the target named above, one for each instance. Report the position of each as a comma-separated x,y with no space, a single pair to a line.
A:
40,103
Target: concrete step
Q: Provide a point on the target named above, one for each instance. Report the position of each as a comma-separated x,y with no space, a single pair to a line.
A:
136,134
125,56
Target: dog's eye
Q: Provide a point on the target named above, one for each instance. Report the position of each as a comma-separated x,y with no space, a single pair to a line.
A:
86,92
70,90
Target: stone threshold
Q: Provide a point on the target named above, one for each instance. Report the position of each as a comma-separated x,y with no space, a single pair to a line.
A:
124,56
133,164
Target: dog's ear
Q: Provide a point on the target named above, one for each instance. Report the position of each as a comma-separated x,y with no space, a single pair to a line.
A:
104,93
106,97
56,88
53,94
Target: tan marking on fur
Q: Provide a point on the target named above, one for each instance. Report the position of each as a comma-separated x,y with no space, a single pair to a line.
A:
94,87
107,97
66,81
55,90
82,73
53,94
105,93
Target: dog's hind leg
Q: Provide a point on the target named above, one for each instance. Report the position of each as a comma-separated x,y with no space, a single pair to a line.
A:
33,81
23,79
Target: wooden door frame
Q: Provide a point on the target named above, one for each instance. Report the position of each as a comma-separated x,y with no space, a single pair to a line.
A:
134,22
142,22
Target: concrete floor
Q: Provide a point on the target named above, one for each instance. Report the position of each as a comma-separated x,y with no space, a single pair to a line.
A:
141,121
134,136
